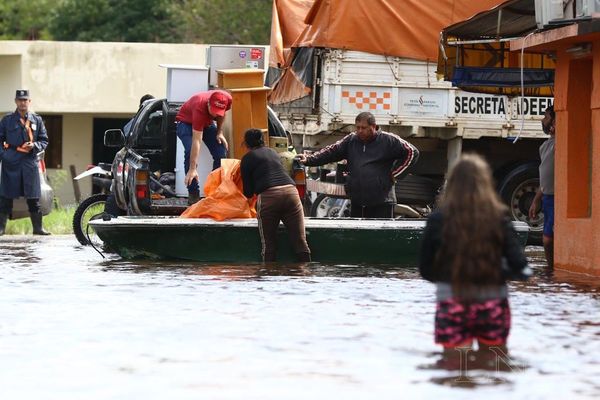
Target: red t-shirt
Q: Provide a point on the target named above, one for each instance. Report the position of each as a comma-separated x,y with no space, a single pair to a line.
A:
195,110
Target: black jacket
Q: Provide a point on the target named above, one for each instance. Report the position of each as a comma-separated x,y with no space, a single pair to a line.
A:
261,169
514,265
20,174
372,167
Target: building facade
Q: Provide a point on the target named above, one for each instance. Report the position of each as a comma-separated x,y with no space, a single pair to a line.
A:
81,89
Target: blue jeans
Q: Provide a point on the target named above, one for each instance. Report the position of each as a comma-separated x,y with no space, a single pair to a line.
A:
548,210
209,137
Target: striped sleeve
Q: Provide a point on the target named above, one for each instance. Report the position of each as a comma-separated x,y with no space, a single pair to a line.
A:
406,155
334,152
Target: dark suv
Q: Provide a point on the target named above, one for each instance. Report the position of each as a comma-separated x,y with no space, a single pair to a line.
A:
150,147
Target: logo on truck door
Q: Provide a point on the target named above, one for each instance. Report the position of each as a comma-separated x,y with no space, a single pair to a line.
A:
367,100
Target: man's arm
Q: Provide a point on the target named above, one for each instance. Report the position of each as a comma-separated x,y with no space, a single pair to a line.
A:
41,142
195,151
406,156
334,152
220,137
2,136
535,204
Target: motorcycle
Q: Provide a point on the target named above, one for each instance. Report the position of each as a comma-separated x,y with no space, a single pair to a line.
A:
93,206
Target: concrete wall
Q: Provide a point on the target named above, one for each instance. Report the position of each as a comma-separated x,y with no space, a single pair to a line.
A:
78,77
77,150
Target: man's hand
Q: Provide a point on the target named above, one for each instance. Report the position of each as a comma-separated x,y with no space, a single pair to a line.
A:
190,176
28,146
301,158
534,208
221,139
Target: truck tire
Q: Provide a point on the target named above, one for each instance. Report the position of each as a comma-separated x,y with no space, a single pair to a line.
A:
326,206
518,189
87,209
414,189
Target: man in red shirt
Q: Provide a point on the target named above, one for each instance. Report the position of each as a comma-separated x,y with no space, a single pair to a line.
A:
195,122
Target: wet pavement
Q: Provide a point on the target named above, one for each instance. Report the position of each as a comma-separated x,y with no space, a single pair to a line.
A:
74,325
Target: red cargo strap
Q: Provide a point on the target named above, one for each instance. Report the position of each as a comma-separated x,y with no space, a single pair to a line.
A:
27,125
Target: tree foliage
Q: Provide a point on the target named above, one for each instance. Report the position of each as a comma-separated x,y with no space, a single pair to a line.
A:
190,21
226,21
24,20
114,21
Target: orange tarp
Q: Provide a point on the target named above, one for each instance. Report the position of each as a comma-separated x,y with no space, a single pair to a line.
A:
224,195
403,28
287,23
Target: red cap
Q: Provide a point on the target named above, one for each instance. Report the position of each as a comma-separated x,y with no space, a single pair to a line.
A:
218,103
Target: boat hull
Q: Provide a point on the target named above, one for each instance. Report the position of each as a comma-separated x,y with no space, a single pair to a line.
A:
341,241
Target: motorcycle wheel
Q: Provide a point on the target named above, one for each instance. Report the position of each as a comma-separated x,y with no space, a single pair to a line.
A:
89,208
325,206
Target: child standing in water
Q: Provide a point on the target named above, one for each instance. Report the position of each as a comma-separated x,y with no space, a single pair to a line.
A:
469,250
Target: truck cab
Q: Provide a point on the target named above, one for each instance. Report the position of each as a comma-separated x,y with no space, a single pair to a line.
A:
144,168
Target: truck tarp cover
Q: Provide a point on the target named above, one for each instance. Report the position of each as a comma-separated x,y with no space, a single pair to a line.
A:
224,195
401,28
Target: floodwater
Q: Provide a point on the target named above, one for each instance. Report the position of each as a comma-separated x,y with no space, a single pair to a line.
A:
76,326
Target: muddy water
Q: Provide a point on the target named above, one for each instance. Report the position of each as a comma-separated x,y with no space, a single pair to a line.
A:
76,326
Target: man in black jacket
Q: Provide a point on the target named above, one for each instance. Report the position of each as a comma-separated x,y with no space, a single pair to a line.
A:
375,158
22,137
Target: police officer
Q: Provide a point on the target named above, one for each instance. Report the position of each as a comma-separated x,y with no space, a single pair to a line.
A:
22,137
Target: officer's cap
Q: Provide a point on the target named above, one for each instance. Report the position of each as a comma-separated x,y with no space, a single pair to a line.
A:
22,94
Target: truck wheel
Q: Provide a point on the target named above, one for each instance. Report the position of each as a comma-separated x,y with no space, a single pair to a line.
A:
87,209
518,189
414,189
326,206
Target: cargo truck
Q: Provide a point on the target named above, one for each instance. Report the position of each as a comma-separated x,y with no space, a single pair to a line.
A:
320,90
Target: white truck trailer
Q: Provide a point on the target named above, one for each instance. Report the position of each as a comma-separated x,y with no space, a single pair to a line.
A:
334,59
408,99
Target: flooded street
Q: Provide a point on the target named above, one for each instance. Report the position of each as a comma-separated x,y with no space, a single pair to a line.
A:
76,326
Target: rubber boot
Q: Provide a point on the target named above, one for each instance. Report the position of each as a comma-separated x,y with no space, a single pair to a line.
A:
36,222
3,219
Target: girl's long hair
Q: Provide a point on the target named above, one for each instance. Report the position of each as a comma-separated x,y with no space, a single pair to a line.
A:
472,234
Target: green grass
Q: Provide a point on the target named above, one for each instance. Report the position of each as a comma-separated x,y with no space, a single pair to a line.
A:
58,222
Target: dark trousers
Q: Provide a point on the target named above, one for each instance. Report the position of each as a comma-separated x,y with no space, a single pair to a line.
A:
6,205
281,203
209,137
379,211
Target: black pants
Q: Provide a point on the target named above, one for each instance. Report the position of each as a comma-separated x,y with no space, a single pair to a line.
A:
379,211
6,205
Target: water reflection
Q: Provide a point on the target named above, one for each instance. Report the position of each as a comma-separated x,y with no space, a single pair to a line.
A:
86,327
22,251
259,270
472,368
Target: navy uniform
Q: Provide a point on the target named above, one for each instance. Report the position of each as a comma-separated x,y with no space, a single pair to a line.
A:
22,137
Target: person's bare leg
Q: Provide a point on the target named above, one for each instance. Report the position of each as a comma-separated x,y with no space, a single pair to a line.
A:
455,358
549,250
487,355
